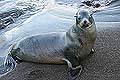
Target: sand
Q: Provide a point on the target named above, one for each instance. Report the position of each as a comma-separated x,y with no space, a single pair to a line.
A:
104,64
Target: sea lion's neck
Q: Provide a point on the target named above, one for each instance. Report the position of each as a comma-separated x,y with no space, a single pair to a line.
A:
80,35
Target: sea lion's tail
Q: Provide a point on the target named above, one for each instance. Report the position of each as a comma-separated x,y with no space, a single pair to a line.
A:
7,65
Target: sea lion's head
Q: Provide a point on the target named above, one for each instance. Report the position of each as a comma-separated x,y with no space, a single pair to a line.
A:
84,19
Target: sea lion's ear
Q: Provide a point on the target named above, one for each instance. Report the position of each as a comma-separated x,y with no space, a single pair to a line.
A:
91,13
75,15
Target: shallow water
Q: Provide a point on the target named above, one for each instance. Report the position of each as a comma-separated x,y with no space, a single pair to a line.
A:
22,18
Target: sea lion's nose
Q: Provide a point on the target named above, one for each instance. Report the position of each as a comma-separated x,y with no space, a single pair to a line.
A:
85,21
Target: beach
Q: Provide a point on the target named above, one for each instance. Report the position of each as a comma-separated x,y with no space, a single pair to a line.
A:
104,64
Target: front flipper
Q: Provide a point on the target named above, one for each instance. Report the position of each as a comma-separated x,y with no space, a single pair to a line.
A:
73,73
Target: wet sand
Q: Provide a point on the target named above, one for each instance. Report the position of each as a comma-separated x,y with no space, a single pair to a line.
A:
104,64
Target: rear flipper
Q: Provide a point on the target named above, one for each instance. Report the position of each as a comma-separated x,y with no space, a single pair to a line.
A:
8,65
73,73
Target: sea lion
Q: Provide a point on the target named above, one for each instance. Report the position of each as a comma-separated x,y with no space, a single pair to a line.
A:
71,46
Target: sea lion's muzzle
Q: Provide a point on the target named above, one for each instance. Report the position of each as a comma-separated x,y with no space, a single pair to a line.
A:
84,22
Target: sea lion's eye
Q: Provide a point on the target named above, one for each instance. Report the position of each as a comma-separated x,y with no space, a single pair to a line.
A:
90,19
79,18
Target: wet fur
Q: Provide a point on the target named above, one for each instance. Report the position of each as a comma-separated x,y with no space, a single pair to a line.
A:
73,45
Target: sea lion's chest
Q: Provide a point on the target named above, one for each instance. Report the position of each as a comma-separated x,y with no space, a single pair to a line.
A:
89,39
86,40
